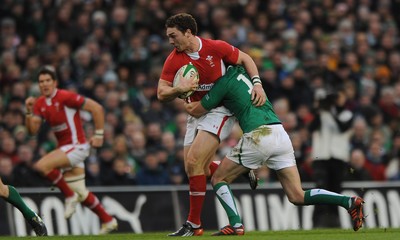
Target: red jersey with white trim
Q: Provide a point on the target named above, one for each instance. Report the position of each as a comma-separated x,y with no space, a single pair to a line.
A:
210,62
61,111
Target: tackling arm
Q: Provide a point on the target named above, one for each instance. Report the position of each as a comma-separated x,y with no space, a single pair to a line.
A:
195,109
258,95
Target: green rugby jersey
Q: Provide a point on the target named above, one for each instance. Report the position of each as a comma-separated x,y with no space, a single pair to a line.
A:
234,90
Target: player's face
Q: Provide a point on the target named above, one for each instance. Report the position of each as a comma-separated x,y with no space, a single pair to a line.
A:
178,39
47,85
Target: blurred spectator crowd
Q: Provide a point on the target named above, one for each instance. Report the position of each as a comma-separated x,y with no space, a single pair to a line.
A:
113,52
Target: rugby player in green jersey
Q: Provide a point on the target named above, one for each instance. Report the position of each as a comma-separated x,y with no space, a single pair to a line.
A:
11,195
264,142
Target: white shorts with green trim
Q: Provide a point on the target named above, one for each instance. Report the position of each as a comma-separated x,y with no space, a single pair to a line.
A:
268,145
219,121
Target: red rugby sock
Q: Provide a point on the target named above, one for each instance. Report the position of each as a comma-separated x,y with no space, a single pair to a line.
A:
57,179
213,167
93,203
197,192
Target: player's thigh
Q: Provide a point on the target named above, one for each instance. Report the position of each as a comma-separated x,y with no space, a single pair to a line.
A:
290,180
203,148
191,131
54,159
65,157
185,154
228,171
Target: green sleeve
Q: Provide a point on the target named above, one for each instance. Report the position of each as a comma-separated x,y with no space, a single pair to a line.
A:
215,96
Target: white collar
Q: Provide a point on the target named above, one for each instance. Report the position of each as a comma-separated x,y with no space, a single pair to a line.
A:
48,99
196,55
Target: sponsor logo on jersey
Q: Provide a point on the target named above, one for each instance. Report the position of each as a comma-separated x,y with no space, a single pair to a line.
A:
59,128
205,87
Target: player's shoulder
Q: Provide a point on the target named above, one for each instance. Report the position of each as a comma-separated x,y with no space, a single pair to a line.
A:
213,42
216,46
65,95
174,61
173,55
61,94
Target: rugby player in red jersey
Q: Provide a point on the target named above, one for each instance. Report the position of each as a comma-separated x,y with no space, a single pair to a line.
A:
64,166
203,135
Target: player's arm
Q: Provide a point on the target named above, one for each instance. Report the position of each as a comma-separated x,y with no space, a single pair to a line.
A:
258,95
32,122
166,92
211,100
97,112
195,109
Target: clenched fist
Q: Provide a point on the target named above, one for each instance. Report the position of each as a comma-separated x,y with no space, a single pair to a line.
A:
29,102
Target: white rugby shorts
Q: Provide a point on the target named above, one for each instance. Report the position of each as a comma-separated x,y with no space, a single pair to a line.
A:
76,154
256,148
218,121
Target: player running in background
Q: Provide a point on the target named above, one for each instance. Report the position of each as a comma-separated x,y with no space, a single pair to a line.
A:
203,134
11,195
265,142
64,166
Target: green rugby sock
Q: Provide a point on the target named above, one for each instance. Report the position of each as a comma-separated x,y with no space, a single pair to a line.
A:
225,197
321,196
16,200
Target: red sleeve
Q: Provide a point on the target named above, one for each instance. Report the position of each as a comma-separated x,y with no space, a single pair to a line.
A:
73,100
229,53
169,69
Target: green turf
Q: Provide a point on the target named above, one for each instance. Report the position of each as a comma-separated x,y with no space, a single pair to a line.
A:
324,234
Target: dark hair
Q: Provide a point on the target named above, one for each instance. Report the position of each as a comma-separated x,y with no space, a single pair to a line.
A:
182,21
47,70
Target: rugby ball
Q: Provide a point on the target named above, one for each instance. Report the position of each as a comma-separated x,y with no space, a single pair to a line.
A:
187,72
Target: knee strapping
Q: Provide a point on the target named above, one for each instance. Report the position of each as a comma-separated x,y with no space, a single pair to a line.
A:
77,184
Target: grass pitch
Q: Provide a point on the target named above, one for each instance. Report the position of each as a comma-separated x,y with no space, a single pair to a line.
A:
323,234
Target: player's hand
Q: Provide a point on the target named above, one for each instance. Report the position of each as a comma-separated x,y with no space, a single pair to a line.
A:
29,102
186,85
96,141
258,95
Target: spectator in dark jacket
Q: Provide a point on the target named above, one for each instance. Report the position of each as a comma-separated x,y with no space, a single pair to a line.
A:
357,167
152,173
